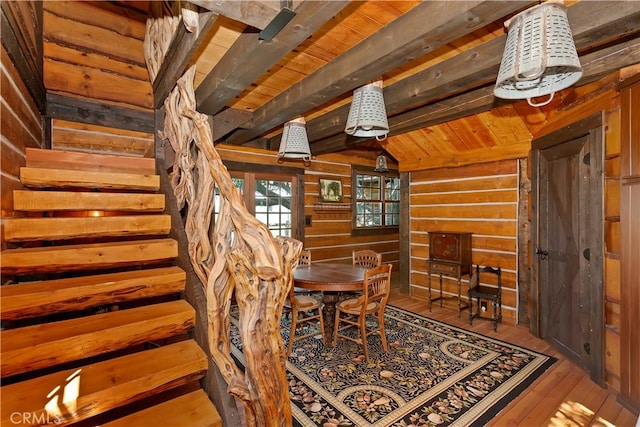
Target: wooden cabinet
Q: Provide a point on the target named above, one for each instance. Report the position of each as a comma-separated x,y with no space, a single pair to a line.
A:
450,256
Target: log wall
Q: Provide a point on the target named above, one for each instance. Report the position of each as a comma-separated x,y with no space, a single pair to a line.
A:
480,199
70,135
329,235
79,59
21,127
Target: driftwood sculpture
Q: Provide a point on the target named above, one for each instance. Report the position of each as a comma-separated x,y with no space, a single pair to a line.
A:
238,255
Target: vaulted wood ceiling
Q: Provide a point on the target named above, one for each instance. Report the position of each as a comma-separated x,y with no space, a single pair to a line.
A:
438,61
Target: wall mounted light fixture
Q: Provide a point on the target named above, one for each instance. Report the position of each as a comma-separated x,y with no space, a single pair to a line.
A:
381,164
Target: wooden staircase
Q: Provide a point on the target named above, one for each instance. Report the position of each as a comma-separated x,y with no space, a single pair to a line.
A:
94,328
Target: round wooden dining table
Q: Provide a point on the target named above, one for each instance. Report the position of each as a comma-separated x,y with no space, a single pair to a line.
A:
331,279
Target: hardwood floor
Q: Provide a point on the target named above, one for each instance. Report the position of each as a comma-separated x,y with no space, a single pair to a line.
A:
562,396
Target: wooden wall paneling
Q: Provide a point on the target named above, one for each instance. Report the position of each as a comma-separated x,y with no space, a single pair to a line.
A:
329,235
95,60
612,358
612,236
613,135
94,31
79,59
630,250
20,126
612,197
21,118
22,36
85,137
481,199
612,318
104,86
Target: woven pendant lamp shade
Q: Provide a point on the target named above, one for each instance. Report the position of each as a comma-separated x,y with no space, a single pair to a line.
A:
540,57
367,115
294,143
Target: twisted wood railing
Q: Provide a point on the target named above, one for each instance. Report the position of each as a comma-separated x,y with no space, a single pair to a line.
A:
237,254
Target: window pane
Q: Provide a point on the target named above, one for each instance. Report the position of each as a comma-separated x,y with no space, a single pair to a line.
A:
273,205
376,200
392,189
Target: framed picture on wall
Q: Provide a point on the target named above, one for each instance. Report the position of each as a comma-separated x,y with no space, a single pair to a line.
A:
330,190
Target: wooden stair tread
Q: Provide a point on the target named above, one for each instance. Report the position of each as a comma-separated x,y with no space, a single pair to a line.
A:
38,201
190,410
40,346
54,296
57,228
41,177
79,160
87,256
106,385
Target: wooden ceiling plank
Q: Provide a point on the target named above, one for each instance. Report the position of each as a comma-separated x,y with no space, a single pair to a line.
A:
473,68
405,38
595,65
250,57
257,14
507,125
449,77
468,134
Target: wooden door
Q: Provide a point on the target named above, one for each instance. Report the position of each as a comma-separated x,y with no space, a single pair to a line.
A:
568,245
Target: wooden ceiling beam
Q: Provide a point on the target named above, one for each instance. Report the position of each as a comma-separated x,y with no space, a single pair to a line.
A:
257,14
250,57
468,70
406,38
595,65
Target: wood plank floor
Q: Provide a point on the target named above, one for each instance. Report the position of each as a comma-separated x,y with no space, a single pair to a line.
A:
562,396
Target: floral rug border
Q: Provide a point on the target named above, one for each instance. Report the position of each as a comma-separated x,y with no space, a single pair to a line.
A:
470,395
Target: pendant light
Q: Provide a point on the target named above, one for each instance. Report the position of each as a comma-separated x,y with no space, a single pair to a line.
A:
540,56
294,143
367,115
381,164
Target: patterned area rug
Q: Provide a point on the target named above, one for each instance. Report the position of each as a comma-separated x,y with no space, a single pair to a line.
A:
433,374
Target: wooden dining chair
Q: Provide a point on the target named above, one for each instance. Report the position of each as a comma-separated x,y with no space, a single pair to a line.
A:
353,312
366,258
305,260
305,308
305,257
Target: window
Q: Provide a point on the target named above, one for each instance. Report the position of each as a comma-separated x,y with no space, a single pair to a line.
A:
272,198
273,205
376,198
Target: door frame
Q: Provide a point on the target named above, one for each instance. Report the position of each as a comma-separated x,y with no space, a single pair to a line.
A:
593,128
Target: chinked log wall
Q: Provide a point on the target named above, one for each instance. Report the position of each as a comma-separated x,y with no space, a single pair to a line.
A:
21,128
479,199
495,228
329,235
